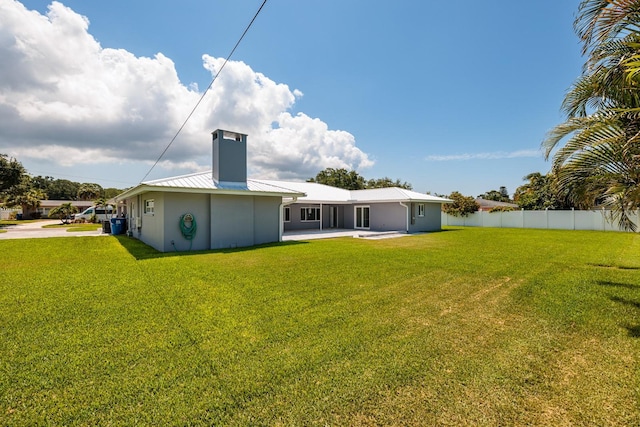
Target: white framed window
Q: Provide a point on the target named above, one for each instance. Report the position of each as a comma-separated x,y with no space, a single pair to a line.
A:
287,214
149,206
309,214
420,209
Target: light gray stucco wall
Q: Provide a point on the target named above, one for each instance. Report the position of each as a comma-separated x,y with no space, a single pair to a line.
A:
266,225
231,221
296,223
178,204
431,221
387,217
151,231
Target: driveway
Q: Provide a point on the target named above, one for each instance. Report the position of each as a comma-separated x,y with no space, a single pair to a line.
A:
34,230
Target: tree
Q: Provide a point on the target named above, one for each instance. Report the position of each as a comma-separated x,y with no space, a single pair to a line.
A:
11,172
388,182
89,191
341,178
25,196
63,212
599,164
499,196
461,206
539,193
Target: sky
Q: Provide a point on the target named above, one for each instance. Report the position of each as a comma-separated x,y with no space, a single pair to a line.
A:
448,96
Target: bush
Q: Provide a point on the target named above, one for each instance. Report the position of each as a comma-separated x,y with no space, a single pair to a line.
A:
461,206
501,209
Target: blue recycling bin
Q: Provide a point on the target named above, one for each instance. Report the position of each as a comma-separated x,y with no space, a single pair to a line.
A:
117,225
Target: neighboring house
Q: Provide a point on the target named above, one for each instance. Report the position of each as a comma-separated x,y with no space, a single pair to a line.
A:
379,209
229,210
47,205
487,205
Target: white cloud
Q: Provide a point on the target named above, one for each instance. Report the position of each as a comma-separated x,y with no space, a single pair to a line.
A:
65,98
485,156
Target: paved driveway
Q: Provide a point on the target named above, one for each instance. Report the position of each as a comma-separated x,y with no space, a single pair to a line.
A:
34,230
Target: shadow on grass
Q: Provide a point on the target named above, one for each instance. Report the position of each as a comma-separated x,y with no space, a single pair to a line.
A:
142,251
634,330
618,284
618,267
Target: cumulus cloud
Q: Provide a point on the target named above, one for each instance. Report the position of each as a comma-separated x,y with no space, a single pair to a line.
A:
61,91
485,156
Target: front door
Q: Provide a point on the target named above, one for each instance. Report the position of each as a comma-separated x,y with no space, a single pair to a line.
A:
362,217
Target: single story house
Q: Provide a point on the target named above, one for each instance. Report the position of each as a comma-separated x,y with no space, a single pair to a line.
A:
379,209
47,205
222,208
487,205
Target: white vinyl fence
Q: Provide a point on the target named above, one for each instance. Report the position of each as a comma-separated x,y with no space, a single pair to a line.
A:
550,219
5,213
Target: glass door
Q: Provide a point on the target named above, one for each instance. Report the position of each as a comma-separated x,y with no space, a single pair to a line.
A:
362,217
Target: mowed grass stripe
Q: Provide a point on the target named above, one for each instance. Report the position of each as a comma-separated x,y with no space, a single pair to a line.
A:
463,327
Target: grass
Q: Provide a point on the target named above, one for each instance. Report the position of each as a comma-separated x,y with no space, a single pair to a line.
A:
464,327
76,227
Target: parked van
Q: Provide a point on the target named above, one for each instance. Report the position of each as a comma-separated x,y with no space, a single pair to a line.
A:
101,213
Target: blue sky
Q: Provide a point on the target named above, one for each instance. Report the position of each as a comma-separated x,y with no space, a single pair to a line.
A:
449,96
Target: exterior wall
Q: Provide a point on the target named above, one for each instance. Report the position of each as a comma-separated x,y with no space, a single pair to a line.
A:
266,220
431,221
386,216
231,221
223,221
547,219
151,230
178,204
296,223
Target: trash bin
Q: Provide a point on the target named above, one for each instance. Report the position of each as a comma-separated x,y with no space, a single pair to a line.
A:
106,227
19,216
117,225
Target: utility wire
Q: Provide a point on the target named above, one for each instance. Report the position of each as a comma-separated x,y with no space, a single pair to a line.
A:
206,90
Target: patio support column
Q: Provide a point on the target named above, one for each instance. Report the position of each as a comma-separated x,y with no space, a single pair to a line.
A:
320,216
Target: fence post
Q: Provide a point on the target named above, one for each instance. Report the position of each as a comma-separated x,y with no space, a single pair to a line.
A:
573,219
546,216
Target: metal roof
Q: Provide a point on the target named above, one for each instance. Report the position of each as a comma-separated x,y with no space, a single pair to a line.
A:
310,192
320,193
315,193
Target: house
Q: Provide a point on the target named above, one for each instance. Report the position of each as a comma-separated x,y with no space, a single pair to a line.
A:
211,210
487,205
47,205
222,208
378,209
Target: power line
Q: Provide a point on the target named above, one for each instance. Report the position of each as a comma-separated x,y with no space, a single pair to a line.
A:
206,90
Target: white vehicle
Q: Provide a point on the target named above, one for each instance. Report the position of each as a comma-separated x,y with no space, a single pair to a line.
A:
101,213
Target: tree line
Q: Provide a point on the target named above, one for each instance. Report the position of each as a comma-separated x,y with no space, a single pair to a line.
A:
18,188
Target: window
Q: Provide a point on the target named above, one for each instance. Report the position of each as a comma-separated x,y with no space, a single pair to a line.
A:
149,206
309,214
421,209
287,214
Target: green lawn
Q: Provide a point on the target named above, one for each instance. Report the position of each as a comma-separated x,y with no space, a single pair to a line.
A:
76,227
463,327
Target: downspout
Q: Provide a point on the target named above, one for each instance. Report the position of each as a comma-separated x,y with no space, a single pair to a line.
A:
280,219
406,216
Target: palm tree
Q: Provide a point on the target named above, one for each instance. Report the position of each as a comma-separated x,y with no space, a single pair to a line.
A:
63,212
600,162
